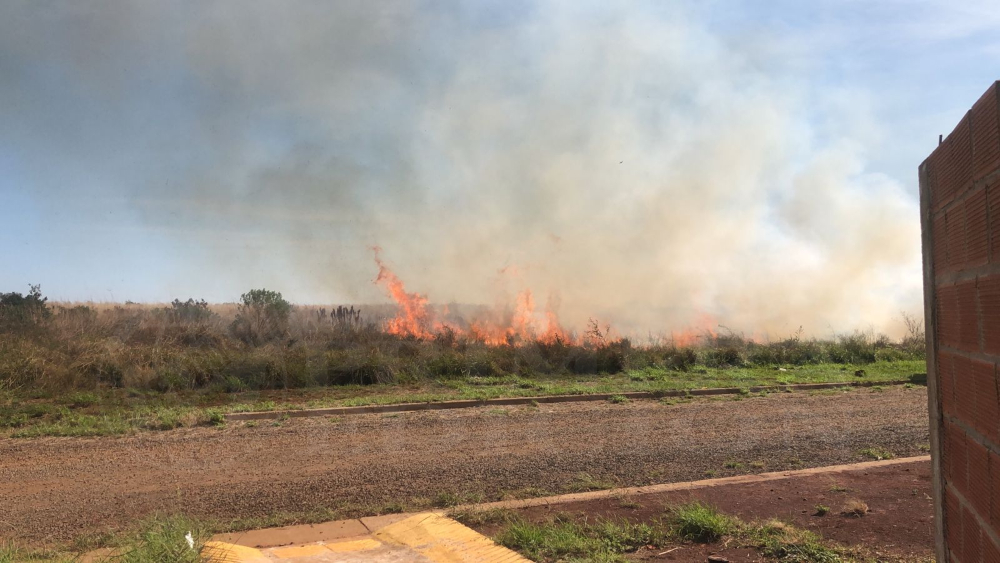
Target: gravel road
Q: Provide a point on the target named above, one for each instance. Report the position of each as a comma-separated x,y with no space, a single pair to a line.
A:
54,489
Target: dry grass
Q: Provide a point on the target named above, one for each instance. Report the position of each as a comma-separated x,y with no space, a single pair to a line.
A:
152,346
855,508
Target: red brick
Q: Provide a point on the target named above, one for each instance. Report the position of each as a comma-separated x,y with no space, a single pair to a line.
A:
939,244
932,177
987,420
965,391
972,537
995,491
954,227
977,244
948,323
955,459
991,553
979,478
946,383
957,166
986,134
968,316
952,521
989,310
993,204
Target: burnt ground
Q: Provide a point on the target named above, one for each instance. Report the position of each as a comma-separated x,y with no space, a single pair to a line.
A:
899,525
55,489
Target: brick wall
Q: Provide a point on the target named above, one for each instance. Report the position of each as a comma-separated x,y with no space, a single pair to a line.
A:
960,205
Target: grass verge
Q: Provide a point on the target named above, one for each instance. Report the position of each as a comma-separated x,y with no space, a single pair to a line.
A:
563,538
121,411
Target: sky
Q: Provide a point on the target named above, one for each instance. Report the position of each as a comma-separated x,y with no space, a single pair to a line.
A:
652,164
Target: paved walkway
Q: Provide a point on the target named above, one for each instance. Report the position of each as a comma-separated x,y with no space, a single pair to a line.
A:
428,537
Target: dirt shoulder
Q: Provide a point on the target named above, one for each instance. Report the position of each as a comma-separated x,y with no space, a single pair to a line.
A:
54,489
898,526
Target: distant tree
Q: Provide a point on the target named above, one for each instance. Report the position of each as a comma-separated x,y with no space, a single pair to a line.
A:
262,316
189,311
17,310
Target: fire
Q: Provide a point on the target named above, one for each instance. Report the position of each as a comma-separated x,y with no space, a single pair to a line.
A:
704,326
415,318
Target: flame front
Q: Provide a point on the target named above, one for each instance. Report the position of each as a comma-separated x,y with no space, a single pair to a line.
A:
508,325
415,318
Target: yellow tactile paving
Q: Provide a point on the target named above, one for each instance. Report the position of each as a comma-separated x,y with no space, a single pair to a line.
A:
444,540
220,552
298,551
355,545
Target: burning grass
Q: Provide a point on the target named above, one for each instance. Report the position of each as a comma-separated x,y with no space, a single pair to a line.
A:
91,370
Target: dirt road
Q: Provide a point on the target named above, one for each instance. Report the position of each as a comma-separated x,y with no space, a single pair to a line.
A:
54,489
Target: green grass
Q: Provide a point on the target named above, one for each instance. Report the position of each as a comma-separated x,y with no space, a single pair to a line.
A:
121,411
876,453
700,523
603,540
10,553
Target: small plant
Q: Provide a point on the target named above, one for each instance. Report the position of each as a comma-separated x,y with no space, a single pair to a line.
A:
175,539
700,523
619,399
216,418
734,465
584,482
855,508
838,489
822,510
876,453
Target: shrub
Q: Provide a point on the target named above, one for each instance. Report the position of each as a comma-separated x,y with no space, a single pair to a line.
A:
190,311
262,316
19,311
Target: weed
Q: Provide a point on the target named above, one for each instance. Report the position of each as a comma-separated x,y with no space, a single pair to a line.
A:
734,465
838,489
876,453
560,539
165,539
618,399
700,523
822,510
855,508
584,482
627,501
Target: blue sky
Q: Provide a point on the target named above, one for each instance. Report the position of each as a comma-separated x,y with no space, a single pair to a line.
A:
755,160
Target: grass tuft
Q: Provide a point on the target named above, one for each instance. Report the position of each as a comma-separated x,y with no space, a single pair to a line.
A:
700,523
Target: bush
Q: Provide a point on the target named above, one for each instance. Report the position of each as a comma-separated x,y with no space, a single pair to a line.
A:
190,311
262,317
19,311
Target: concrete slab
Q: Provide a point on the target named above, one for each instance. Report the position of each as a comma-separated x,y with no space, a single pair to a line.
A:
376,523
428,537
305,533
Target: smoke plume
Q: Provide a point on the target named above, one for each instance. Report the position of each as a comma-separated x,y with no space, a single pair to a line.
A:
622,162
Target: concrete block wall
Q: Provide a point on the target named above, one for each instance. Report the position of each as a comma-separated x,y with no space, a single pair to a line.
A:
960,207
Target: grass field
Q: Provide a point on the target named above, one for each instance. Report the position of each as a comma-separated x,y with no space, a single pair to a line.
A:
121,411
88,370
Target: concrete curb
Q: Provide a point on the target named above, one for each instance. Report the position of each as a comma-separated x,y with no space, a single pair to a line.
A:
468,403
691,485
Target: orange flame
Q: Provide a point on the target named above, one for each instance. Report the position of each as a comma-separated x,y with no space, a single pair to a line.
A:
415,318
704,326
